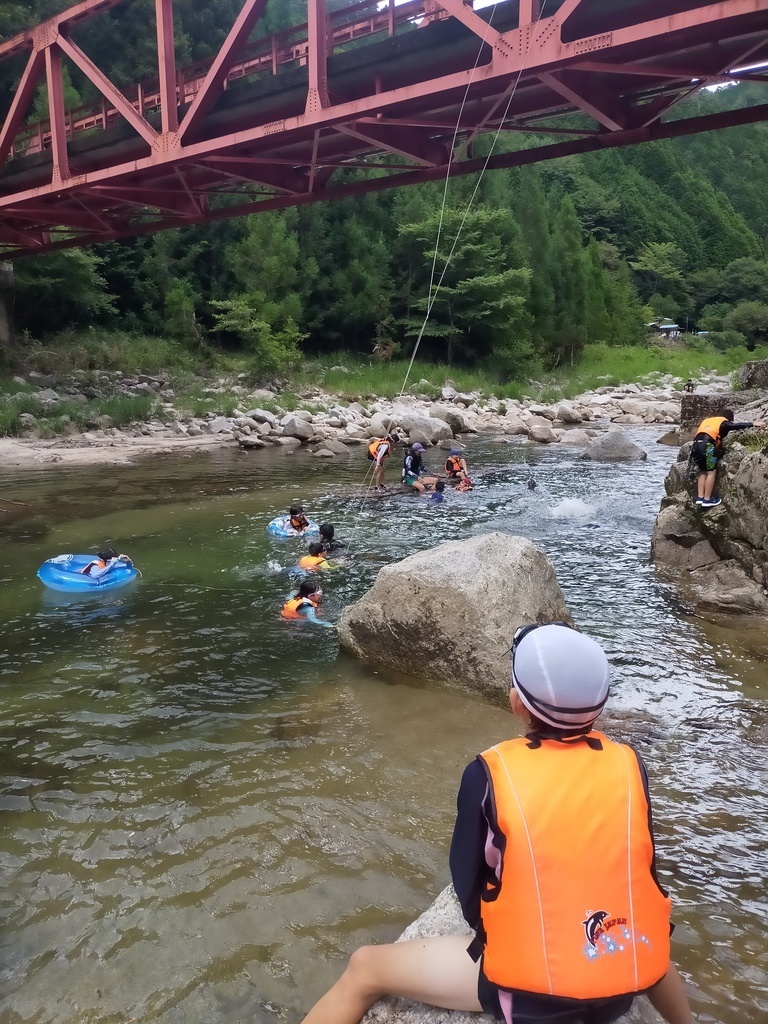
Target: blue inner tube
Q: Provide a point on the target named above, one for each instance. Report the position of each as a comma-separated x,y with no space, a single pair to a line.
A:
65,573
281,527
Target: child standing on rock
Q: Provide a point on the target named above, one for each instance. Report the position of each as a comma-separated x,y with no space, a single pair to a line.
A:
553,863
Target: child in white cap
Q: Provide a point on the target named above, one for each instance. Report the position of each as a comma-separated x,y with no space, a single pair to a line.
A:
553,863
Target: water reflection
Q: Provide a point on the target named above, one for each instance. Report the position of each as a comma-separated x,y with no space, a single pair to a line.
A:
214,808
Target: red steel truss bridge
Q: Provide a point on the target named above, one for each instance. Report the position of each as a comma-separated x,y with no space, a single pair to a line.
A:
373,96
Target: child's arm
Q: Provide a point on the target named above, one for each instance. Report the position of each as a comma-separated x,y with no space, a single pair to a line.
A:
669,998
469,868
310,616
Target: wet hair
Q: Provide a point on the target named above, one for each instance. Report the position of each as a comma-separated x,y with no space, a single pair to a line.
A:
316,548
728,414
393,437
307,588
295,510
106,553
327,530
439,486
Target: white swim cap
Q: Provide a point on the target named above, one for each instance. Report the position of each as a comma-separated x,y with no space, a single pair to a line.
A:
561,675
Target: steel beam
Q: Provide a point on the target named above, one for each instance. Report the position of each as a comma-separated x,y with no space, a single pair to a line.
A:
25,90
108,90
317,56
238,36
166,60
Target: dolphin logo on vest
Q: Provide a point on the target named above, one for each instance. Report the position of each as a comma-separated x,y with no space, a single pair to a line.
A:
592,924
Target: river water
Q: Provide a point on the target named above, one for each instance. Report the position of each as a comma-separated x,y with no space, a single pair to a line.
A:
205,808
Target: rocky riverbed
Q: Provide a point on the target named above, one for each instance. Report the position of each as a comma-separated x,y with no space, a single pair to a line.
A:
326,426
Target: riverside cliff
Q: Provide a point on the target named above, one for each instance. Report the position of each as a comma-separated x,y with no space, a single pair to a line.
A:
719,556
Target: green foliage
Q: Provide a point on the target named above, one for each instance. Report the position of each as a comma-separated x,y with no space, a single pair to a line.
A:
475,303
60,288
751,319
274,345
100,349
180,318
62,417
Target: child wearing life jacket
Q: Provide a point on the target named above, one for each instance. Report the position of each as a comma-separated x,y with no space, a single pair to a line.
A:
707,450
296,519
378,452
105,560
553,863
465,485
303,604
315,558
455,465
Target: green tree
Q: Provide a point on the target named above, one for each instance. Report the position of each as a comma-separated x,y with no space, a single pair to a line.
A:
477,303
569,280
274,343
751,320
180,315
57,289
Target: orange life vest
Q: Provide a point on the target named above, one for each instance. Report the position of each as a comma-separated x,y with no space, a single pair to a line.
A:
578,912
373,447
291,609
313,562
299,522
712,426
453,465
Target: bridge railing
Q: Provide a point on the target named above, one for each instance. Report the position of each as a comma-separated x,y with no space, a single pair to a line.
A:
361,20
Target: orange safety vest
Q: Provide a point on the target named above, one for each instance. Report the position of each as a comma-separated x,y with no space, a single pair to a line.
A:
313,562
291,608
453,465
578,912
373,447
712,426
298,522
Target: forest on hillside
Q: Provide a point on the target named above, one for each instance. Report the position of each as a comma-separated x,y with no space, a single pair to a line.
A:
532,264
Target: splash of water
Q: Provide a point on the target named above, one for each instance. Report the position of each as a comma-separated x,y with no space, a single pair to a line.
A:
572,508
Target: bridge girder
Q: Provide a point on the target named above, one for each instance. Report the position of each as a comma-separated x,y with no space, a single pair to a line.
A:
407,107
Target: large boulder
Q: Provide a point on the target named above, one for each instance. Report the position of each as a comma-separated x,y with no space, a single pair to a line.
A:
677,542
753,375
449,613
542,433
296,426
614,447
434,429
452,417
724,588
444,917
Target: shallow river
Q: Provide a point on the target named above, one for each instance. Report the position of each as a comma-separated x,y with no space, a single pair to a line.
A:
205,808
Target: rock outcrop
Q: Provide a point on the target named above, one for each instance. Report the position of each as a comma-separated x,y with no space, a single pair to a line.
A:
720,555
444,918
449,613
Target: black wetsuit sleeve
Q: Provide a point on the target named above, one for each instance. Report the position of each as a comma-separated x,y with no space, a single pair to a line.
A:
727,427
467,857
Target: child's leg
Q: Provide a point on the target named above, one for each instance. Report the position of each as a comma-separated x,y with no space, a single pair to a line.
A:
669,998
437,971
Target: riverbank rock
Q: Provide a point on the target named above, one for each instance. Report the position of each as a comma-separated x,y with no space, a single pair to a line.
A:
449,613
444,918
614,447
720,554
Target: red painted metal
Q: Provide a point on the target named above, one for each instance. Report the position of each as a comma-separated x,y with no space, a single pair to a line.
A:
277,122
